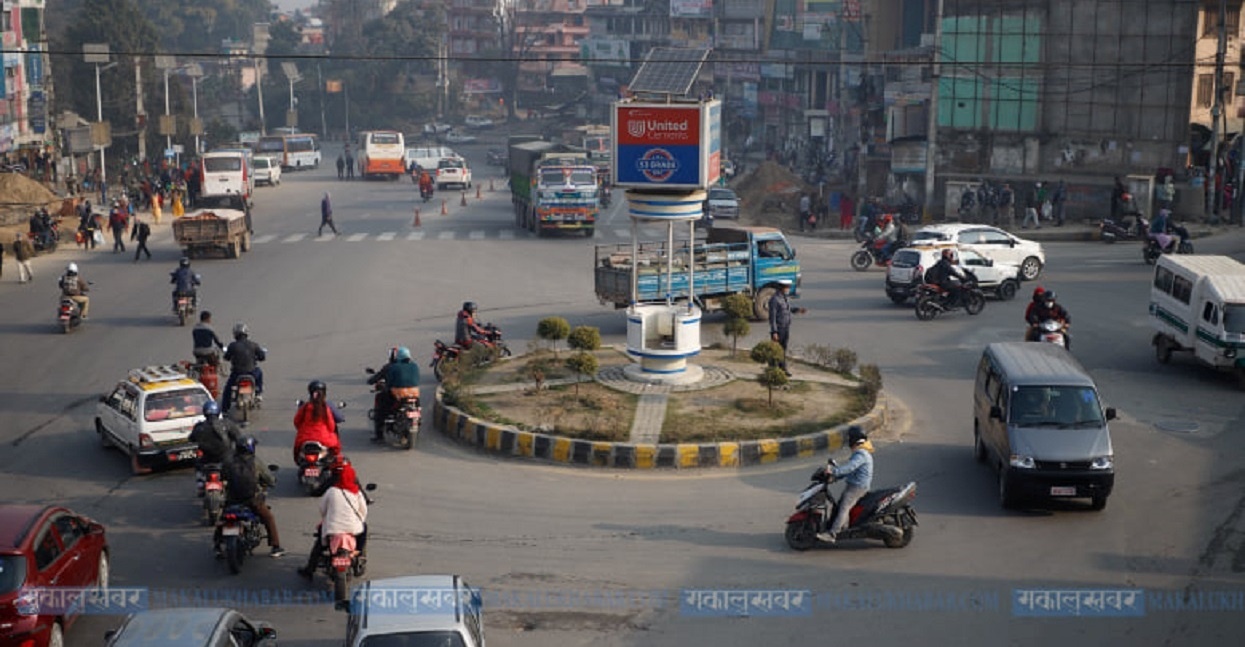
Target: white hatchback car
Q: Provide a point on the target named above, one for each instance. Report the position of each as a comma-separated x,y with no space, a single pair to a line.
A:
991,242
908,266
149,416
478,122
267,171
439,610
453,171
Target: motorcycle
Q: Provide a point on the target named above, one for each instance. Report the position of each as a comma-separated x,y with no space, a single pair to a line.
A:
887,514
68,315
212,488
932,300
344,557
426,193
244,398
443,354
46,241
184,308
1111,230
1158,244
870,253
1051,331
401,424
315,463
239,531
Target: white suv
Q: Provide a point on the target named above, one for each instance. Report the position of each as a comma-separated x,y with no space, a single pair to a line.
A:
455,171
991,242
908,266
149,416
267,171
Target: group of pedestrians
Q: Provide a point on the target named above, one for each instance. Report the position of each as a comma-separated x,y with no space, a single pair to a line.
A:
345,164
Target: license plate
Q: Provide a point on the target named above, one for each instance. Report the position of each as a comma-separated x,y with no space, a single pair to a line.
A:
212,486
231,531
1063,491
312,472
341,563
412,414
183,455
64,317
244,388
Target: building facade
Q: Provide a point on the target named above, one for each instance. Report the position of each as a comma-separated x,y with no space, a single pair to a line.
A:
25,86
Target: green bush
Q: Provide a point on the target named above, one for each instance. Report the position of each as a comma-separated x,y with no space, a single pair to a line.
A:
772,378
553,330
767,352
586,338
870,379
843,361
737,306
736,328
583,364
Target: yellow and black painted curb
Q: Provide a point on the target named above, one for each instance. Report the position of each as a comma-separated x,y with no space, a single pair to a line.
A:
508,441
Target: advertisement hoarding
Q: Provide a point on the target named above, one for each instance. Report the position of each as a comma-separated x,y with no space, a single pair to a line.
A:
667,146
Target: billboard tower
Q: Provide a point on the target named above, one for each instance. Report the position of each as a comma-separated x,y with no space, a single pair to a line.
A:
667,153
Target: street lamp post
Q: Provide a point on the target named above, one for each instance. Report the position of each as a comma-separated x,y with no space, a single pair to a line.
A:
97,53
291,73
195,72
166,64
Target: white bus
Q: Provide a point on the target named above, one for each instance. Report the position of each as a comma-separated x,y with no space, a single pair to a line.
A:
295,151
383,153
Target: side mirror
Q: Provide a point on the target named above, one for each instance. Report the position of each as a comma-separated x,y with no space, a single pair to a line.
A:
95,529
267,633
369,370
370,487
996,412
989,262
1110,413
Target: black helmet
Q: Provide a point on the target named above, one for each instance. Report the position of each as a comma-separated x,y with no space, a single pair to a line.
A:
240,330
185,262
855,434
1048,295
246,445
469,306
316,386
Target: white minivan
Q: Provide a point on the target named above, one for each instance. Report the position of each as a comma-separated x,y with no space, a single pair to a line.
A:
226,172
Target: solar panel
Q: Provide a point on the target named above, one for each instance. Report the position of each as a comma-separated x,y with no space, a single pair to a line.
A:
669,70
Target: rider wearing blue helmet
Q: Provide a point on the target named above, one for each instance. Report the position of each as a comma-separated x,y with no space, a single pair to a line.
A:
215,435
401,377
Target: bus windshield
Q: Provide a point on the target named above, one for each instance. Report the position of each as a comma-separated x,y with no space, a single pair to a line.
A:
385,139
271,145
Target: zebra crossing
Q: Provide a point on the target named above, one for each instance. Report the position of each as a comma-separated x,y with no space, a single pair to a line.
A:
619,234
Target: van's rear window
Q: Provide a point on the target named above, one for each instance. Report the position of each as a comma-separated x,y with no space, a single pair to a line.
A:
222,164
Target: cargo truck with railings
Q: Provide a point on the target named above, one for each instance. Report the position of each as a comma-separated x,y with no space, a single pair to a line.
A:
734,260
553,190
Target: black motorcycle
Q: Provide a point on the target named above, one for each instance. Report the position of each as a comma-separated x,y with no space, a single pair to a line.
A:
887,514
315,467
239,531
931,300
401,424
426,193
1111,230
1158,244
444,354
871,253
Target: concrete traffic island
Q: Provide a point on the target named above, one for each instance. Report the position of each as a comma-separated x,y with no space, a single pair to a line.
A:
502,431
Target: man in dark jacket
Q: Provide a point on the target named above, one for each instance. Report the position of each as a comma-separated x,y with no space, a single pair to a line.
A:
243,356
141,232
208,346
248,478
185,282
401,377
216,437
780,311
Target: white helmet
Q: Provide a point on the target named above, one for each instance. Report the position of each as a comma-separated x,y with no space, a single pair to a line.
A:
72,268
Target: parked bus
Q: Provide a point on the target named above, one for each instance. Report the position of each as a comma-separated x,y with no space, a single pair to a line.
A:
295,151
383,153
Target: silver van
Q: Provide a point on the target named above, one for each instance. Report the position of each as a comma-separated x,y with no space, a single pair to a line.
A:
1038,421
440,610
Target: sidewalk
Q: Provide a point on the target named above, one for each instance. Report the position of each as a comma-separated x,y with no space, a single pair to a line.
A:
1069,232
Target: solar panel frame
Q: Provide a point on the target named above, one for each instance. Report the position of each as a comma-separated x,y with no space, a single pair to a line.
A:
669,70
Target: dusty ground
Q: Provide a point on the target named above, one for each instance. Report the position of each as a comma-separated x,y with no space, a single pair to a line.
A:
818,401
514,371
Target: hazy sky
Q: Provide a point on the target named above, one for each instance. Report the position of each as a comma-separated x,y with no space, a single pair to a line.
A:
291,5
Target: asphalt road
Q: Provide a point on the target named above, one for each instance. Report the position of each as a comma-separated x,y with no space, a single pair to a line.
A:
547,543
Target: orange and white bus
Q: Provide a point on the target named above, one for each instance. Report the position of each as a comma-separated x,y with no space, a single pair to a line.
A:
382,153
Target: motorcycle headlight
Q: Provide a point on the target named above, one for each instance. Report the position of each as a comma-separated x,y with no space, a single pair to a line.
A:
1102,463
1021,462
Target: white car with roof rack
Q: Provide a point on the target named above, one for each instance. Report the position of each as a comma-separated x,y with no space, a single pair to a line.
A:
991,242
149,416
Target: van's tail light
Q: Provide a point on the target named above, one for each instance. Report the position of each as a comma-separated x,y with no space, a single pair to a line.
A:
145,441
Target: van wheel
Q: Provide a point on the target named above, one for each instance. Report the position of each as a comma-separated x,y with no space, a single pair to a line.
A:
1007,497
979,448
1098,502
1162,349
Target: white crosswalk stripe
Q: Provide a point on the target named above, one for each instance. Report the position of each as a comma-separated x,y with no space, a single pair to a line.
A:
445,235
476,235
266,238
294,238
501,233
505,234
415,235
386,236
354,238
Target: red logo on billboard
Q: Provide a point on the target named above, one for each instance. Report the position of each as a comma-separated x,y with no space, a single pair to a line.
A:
660,126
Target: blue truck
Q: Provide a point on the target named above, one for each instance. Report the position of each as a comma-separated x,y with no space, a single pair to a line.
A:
731,260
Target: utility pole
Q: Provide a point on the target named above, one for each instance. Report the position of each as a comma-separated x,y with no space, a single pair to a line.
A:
139,111
259,88
1212,205
324,129
931,128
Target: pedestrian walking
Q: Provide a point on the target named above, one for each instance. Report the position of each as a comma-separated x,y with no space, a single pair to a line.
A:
326,215
341,167
179,208
141,232
23,251
1007,206
1033,202
1057,199
116,222
780,312
847,212
805,210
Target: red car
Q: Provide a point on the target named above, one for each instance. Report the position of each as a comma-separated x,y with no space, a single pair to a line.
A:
45,546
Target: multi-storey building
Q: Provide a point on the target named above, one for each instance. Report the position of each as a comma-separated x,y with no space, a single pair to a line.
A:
547,41
26,79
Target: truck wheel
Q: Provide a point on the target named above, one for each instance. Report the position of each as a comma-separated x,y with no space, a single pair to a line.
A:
246,242
589,232
232,252
760,303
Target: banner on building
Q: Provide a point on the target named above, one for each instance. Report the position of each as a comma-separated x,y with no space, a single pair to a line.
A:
37,112
605,50
481,86
34,65
333,86
691,8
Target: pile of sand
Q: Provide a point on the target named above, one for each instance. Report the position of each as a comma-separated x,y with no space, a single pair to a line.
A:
770,195
20,196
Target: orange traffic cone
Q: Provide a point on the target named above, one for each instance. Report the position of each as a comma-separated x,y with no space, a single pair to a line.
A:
477,192
444,211
416,223
464,200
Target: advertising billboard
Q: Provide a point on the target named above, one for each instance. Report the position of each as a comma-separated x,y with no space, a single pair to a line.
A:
667,146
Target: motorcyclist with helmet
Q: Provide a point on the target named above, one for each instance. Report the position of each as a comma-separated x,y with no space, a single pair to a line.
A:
317,420
401,377
243,356
343,517
425,184
466,330
888,236
247,480
948,276
185,283
74,288
216,438
1047,309
858,472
